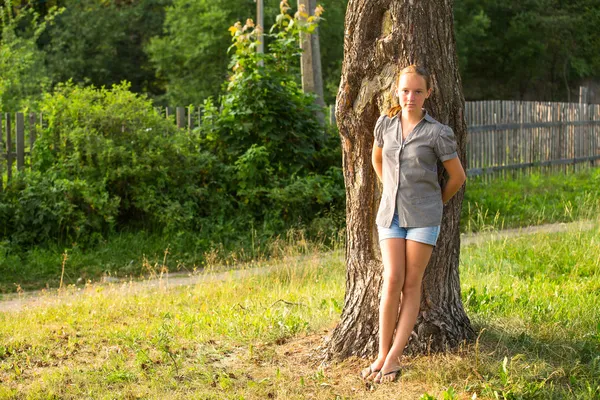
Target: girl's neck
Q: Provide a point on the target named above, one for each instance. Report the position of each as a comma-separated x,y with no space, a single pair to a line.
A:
413,117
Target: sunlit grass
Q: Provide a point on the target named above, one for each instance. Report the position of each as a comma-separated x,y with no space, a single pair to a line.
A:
533,300
531,200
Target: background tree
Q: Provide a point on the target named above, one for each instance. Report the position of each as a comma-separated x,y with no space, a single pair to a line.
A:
508,49
191,55
533,50
23,75
102,43
381,37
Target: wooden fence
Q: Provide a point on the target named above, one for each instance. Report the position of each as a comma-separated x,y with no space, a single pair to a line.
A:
524,135
502,135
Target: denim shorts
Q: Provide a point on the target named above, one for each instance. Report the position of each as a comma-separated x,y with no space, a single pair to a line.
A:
427,234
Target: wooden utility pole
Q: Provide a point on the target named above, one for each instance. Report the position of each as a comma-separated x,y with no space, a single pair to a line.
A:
260,16
312,77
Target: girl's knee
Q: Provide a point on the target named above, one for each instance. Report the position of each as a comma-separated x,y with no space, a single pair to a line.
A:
393,281
411,287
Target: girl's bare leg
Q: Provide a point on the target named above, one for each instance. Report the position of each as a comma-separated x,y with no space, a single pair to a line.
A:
393,253
417,258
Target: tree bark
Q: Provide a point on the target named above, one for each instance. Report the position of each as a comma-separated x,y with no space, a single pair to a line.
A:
382,37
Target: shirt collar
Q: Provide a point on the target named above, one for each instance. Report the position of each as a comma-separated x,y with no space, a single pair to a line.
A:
427,117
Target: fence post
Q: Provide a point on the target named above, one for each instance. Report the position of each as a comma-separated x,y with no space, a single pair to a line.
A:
8,147
1,160
32,131
189,123
20,125
180,115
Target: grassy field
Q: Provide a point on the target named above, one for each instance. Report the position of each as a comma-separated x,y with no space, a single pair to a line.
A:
533,300
531,200
501,203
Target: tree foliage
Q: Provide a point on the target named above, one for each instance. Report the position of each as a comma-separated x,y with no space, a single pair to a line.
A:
176,50
538,49
191,55
102,43
23,74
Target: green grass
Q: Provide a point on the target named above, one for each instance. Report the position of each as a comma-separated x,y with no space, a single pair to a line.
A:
534,301
531,200
143,254
498,204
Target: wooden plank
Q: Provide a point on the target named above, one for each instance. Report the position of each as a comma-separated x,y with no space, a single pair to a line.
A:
502,138
574,135
560,134
32,130
536,145
9,157
1,156
189,120
488,136
484,152
180,117
596,130
20,130
479,117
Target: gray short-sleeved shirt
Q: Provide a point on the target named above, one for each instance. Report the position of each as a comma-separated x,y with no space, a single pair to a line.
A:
409,170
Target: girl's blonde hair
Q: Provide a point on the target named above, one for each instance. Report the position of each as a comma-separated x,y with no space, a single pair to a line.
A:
411,69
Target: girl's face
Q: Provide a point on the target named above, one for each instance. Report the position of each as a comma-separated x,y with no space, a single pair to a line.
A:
412,92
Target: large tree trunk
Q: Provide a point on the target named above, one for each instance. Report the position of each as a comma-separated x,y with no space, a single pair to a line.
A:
381,37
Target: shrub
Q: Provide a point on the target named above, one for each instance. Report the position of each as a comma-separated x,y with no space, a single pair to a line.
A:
286,161
106,160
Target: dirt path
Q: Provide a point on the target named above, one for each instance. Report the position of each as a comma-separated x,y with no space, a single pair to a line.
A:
480,237
17,302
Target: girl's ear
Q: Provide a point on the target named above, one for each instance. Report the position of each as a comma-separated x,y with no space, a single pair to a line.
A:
428,93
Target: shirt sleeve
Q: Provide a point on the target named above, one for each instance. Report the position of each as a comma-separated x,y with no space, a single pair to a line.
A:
445,144
378,133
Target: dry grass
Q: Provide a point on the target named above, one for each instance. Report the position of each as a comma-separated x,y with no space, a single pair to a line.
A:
256,335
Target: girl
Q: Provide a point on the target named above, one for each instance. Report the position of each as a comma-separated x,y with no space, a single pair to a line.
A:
408,143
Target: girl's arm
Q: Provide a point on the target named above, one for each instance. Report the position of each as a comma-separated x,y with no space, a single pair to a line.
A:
376,160
457,178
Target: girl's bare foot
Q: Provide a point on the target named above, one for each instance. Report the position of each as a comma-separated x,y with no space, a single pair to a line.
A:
388,376
371,371
389,371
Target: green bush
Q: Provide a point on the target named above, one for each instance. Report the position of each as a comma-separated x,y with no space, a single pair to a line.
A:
108,162
286,162
38,208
